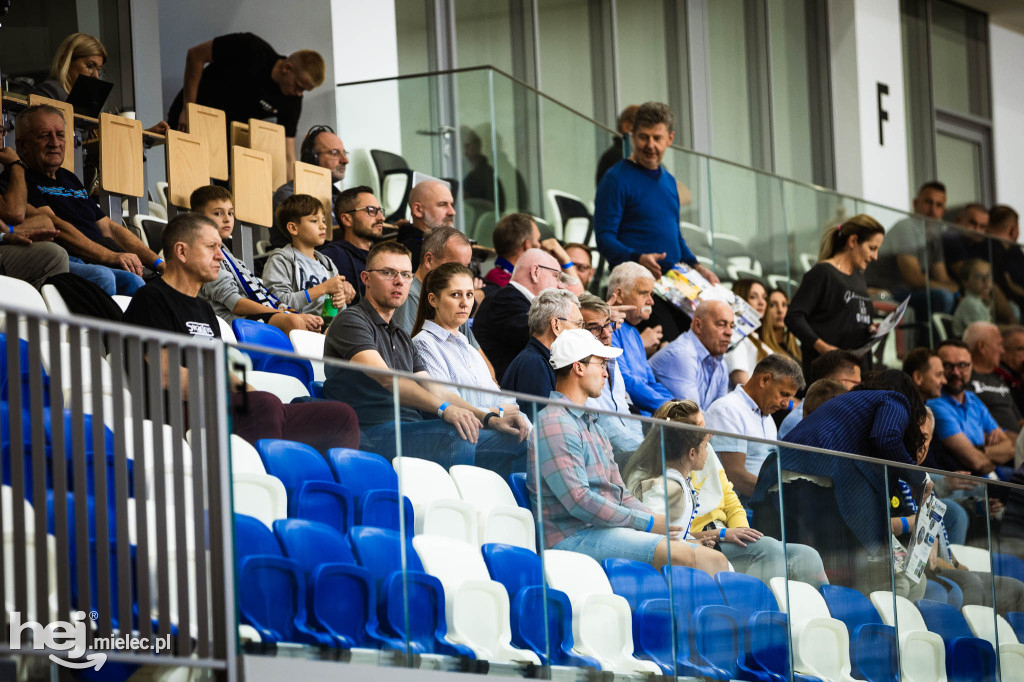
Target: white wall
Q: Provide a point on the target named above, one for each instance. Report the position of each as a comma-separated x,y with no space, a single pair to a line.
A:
288,26
1007,54
864,36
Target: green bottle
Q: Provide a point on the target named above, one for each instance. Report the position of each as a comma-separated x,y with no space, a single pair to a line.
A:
329,309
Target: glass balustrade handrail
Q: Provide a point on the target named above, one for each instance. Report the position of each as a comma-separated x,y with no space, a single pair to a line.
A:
702,155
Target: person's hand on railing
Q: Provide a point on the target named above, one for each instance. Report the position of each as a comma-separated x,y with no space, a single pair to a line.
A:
160,128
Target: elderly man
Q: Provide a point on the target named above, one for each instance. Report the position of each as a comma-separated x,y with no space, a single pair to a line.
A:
365,335
361,220
431,205
969,436
582,499
501,323
747,411
693,366
1011,366
631,285
84,231
551,312
986,345
625,435
321,147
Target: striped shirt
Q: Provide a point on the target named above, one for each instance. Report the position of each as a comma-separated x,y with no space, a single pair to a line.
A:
580,484
450,357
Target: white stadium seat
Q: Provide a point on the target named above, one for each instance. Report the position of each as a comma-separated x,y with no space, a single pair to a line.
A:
821,644
501,519
922,652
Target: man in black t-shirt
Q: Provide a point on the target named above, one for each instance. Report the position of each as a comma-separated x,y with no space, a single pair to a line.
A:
192,244
42,185
986,345
246,78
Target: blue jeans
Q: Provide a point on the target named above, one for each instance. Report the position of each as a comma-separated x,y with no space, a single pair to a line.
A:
437,441
110,280
613,543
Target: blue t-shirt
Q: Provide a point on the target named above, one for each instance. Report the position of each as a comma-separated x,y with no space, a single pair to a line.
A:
970,418
636,211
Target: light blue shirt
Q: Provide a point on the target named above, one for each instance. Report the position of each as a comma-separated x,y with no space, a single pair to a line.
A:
738,413
792,419
625,434
688,370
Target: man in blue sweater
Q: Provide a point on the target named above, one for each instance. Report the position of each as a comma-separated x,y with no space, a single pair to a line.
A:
636,210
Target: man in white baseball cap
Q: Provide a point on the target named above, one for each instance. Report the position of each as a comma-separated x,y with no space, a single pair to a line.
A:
585,505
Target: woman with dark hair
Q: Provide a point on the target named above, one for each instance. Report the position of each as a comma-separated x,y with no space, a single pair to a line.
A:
832,310
445,303
740,360
838,505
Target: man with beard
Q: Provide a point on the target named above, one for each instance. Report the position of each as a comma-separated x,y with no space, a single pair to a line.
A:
361,220
431,205
963,425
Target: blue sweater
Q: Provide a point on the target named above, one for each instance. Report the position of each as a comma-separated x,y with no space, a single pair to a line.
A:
636,211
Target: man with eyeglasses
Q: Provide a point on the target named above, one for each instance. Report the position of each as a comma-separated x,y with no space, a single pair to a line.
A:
580,255
431,205
625,435
501,324
551,313
693,366
327,151
365,334
970,438
361,223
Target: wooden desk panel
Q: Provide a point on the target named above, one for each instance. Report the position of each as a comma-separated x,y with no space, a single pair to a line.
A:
251,185
121,163
188,167
209,125
269,137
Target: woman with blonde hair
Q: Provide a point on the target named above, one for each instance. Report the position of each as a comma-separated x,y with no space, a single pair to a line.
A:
80,54
701,499
773,332
832,309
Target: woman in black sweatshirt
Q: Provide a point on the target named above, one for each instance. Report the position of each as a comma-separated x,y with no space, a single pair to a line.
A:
831,309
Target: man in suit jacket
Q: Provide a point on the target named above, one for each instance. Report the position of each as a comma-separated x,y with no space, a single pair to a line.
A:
501,324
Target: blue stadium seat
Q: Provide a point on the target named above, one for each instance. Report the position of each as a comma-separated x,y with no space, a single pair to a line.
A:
269,336
954,595
379,551
714,629
873,645
312,491
519,571
934,591
1016,621
373,482
25,373
644,588
272,591
316,389
517,482
968,658
1008,565
341,595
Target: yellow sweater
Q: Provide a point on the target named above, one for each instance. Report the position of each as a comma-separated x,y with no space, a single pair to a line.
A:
716,499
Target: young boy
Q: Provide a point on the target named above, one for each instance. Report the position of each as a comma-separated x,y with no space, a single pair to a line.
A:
237,292
299,275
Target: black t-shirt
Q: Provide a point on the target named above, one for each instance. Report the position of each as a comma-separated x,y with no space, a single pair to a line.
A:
67,197
998,398
159,306
237,80
359,327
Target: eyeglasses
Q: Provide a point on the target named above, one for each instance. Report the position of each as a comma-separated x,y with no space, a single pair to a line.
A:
337,154
371,211
389,274
583,268
956,365
579,323
603,364
595,329
547,268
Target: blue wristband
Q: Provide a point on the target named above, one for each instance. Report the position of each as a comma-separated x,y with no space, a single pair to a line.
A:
906,525
442,408
721,534
566,266
308,299
650,524
157,263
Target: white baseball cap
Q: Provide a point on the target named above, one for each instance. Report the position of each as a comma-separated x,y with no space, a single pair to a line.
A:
575,344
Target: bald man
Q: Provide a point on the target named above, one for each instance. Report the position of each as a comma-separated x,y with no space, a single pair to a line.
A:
985,342
501,324
693,366
431,205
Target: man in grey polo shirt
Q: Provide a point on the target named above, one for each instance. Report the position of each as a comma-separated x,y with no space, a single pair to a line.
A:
365,334
747,411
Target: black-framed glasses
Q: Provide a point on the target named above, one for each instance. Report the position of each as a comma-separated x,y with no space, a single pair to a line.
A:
956,365
337,154
549,268
371,211
389,274
595,328
579,323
